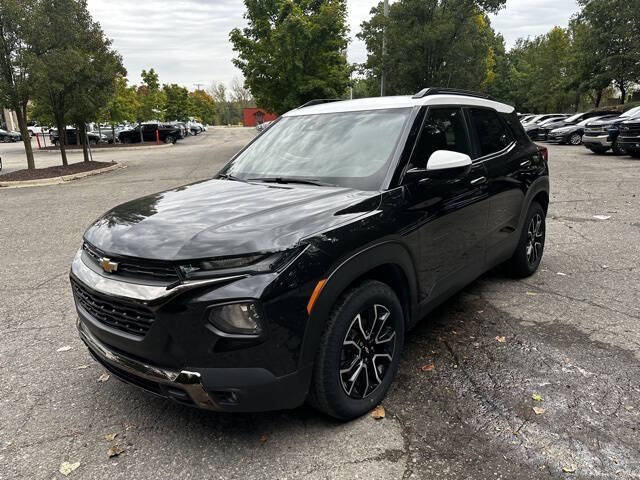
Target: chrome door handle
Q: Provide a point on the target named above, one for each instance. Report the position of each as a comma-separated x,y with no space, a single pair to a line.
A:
525,163
478,181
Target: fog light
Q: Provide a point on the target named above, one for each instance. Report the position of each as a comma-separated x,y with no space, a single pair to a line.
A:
237,318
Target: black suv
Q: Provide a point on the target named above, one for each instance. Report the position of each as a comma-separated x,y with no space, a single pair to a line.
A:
166,133
629,139
295,274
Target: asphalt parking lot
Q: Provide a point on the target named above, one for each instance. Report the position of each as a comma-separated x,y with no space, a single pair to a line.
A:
568,336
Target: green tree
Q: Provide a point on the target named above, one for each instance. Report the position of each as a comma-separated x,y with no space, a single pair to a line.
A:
16,17
61,49
151,99
293,51
122,105
431,43
203,107
177,105
613,38
97,82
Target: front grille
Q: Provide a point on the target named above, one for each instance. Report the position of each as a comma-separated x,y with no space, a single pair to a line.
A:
595,130
126,317
630,130
137,268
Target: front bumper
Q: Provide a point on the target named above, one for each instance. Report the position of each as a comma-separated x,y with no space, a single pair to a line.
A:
598,141
629,143
557,137
181,359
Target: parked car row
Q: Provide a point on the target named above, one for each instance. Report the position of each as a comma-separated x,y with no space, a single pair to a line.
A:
7,136
599,131
169,132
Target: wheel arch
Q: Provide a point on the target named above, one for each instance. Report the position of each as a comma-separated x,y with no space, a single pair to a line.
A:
389,262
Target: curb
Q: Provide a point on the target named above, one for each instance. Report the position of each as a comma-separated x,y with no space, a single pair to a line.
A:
113,149
58,180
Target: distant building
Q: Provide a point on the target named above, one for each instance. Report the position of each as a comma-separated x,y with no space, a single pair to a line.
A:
8,120
254,116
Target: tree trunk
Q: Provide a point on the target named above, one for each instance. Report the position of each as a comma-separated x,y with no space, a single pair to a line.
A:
623,93
82,130
598,98
62,139
26,139
141,134
113,133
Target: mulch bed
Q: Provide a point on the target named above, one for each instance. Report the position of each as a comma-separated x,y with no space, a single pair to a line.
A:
51,172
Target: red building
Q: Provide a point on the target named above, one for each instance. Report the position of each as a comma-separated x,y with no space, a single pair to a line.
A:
254,116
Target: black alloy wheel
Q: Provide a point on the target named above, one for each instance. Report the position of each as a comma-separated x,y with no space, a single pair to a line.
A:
169,139
535,239
359,351
575,139
367,351
528,254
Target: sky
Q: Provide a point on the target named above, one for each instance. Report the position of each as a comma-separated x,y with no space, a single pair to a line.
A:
187,41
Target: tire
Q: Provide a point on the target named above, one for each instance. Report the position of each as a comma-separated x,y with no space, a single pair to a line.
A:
575,139
126,140
169,139
344,348
92,142
528,255
598,150
616,148
634,153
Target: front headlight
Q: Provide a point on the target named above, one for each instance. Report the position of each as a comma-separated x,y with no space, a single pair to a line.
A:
240,264
241,319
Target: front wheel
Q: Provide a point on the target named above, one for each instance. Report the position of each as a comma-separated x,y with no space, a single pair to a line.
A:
575,139
528,255
359,351
169,139
616,148
598,150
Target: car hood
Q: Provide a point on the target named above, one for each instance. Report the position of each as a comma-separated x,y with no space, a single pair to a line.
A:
554,125
607,121
221,217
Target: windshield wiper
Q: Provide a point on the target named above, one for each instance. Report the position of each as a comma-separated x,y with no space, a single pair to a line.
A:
285,180
226,176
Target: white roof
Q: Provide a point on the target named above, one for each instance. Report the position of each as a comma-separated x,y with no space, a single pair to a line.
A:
380,103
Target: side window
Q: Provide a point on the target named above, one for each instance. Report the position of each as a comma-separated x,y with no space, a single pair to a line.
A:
491,132
443,129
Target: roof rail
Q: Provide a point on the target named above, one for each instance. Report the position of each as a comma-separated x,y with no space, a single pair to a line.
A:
450,91
319,101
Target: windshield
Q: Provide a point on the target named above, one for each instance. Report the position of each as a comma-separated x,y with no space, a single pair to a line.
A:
573,118
634,112
350,149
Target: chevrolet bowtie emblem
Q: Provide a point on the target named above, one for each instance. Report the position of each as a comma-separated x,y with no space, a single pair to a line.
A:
107,265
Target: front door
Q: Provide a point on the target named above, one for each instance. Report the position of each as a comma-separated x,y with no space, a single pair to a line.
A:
451,213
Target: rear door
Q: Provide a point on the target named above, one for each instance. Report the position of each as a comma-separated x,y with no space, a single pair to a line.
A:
507,160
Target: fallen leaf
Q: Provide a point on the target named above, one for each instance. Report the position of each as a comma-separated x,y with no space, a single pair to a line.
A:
429,367
66,348
532,294
103,378
109,437
536,397
602,217
569,469
453,332
538,410
480,311
501,339
562,274
82,367
378,412
628,408
66,468
263,439
115,451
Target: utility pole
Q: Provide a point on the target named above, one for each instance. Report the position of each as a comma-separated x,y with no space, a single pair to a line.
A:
384,46
199,85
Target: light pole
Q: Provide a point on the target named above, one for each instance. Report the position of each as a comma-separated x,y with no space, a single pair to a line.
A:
384,46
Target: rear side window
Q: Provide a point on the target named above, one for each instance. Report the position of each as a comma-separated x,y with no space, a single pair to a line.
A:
443,129
491,132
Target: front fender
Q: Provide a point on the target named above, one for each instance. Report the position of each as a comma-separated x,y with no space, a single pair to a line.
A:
347,271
